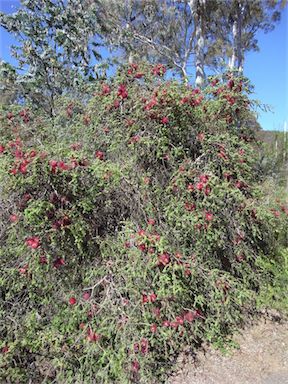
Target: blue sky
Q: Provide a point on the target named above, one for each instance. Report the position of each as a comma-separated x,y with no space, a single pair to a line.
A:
267,69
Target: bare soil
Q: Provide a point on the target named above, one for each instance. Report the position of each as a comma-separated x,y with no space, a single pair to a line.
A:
262,358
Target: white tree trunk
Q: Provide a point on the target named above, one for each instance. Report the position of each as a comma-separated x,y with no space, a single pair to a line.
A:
232,60
197,7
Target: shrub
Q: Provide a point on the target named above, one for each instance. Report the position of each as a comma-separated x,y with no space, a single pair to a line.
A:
140,230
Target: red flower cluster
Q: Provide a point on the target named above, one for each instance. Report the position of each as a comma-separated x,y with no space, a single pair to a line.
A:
33,242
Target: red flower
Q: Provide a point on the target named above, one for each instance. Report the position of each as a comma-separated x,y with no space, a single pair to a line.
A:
23,269
165,120
190,187
200,186
5,349
144,346
33,242
189,316
42,260
163,259
179,320
99,155
166,323
158,70
76,146
204,178
58,263
153,328
152,297
105,89
190,207
135,366
208,216
145,299
72,301
200,136
92,336
122,91
86,296
2,148
14,218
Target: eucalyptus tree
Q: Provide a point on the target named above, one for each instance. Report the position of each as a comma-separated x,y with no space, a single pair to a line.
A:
53,46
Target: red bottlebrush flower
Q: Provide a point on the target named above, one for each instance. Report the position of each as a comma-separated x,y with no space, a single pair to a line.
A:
86,296
122,91
189,316
152,297
214,82
23,168
99,155
223,155
164,259
141,232
72,301
166,323
275,213
151,222
135,366
159,70
153,328
208,216
13,171
134,139
179,320
62,166
178,255
92,336
2,148
42,260
200,137
144,346
199,186
14,218
106,89
116,104
5,349
58,263
190,207
157,312
23,269
145,299
142,247
230,84
9,115
151,104
165,120
82,326
33,242
204,178
138,75
190,187
76,146
127,244
174,324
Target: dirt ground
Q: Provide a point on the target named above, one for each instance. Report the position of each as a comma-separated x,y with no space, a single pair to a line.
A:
261,359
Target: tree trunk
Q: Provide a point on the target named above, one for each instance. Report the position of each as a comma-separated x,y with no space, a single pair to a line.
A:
236,60
197,9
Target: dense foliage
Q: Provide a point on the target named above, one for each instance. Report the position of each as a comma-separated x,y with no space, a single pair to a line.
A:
133,224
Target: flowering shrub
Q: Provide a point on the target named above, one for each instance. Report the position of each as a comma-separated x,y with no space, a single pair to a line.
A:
140,230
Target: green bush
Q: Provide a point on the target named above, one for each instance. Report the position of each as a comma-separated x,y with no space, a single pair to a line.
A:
133,224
